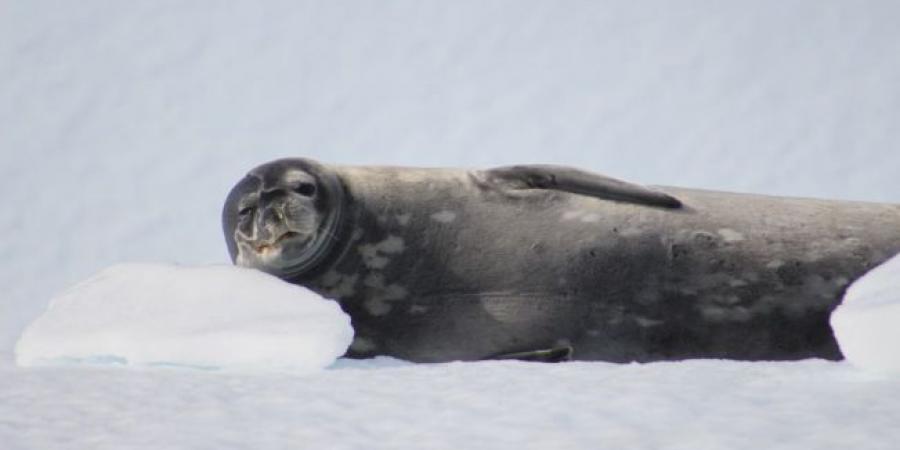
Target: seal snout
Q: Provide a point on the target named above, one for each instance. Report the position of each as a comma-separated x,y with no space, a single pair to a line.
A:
282,217
266,246
275,228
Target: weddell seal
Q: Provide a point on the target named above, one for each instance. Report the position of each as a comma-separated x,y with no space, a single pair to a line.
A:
546,262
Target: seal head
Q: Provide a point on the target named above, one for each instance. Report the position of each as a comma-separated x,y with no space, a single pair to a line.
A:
282,217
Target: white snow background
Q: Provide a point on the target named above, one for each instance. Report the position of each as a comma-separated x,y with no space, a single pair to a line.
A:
866,322
124,124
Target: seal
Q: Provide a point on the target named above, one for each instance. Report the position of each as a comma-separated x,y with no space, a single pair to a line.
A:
546,263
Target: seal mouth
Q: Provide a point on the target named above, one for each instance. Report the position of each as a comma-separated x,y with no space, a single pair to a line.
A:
266,247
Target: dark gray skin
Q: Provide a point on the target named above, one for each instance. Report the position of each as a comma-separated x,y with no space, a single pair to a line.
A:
546,262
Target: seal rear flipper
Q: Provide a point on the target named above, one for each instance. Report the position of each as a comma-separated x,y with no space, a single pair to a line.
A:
551,355
577,181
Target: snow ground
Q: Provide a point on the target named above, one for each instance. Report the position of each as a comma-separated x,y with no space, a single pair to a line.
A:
508,405
124,124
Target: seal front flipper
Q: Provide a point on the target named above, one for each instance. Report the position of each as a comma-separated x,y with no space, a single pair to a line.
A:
552,355
577,181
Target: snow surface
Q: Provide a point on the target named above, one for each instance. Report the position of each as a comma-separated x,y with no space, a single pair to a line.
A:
219,317
124,124
492,405
867,324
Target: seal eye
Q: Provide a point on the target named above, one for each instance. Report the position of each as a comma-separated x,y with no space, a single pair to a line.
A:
245,210
306,189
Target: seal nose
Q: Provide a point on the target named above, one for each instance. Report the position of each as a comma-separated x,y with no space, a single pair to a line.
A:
270,223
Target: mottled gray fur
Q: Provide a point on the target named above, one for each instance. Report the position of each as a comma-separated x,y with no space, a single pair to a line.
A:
444,264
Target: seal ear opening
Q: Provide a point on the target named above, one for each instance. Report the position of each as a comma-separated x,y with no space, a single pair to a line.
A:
576,181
